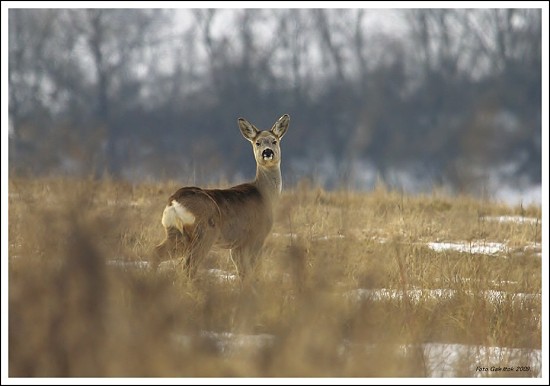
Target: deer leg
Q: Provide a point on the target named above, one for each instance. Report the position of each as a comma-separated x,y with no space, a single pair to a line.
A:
245,259
202,238
169,248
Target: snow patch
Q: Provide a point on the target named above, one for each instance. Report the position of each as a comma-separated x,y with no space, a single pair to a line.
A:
227,343
329,237
484,248
127,264
443,360
440,359
291,235
415,295
313,238
221,275
513,219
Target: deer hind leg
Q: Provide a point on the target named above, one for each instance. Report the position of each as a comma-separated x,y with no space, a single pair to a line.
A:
202,237
172,246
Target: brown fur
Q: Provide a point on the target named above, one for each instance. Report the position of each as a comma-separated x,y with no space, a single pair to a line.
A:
238,218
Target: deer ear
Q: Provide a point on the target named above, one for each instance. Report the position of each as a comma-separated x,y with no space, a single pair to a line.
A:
280,127
249,130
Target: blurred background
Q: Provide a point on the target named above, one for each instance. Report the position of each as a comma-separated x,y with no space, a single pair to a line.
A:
415,98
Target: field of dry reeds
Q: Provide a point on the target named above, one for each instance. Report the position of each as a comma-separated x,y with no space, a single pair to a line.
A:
372,284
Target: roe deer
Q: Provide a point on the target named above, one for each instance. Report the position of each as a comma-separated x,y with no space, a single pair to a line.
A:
238,218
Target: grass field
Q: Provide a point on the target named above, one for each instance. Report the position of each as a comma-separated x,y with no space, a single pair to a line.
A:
376,284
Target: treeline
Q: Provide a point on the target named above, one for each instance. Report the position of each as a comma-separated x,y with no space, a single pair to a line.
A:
452,96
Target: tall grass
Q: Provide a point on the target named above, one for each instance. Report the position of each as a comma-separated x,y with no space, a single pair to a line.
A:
73,313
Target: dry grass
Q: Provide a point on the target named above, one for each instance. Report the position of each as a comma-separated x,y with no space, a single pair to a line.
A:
73,313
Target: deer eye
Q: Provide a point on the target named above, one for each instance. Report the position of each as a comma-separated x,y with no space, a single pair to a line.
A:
274,142
257,143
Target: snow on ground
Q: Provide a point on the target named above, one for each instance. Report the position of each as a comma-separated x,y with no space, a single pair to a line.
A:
227,343
291,235
535,248
443,360
379,294
169,266
514,219
222,275
440,359
472,247
390,294
481,247
415,295
484,247
313,238
128,264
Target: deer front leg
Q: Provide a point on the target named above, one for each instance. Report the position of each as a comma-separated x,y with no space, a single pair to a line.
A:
245,260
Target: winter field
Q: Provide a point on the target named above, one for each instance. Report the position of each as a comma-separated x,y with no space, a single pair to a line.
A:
375,284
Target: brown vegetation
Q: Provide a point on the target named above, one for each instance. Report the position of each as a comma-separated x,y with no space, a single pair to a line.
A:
74,312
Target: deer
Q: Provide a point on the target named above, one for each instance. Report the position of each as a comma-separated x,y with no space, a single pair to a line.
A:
238,218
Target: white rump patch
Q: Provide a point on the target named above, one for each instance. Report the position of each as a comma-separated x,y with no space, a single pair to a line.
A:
176,215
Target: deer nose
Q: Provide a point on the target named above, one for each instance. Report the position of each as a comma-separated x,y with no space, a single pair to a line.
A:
267,154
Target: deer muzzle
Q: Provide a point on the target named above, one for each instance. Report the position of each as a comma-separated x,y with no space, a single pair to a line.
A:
268,154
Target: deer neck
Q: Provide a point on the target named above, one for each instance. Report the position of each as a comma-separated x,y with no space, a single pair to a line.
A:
269,181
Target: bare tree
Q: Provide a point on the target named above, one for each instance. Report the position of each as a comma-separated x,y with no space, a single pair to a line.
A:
113,80
329,44
113,39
